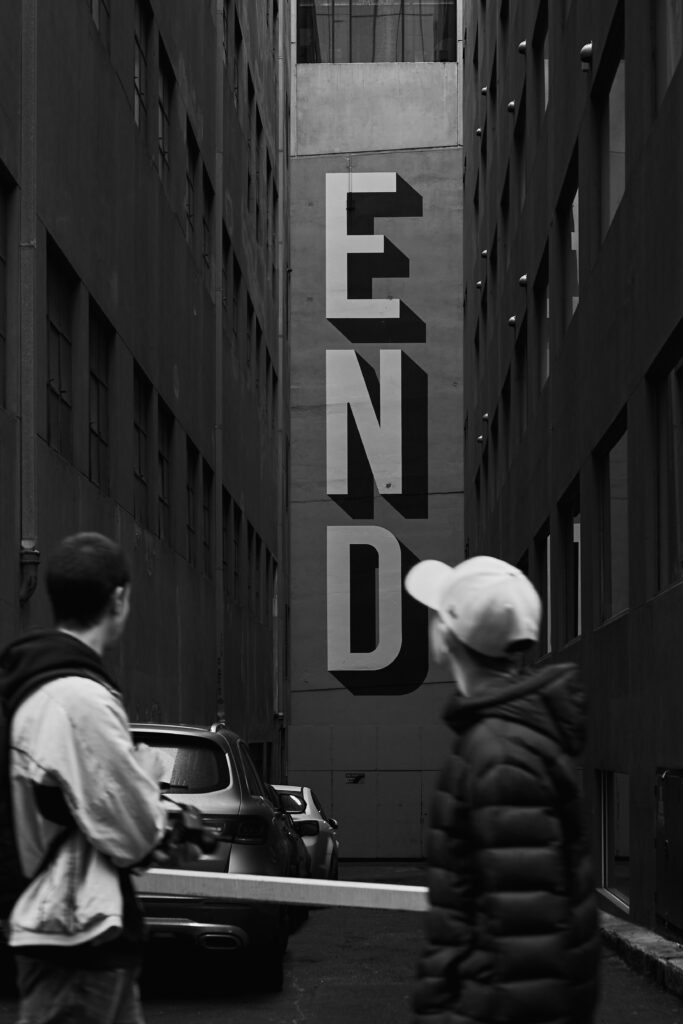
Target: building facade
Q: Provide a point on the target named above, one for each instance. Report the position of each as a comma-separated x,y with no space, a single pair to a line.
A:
143,189
573,357
376,403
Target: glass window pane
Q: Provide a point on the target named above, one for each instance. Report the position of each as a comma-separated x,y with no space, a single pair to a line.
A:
191,767
668,41
616,859
376,30
618,525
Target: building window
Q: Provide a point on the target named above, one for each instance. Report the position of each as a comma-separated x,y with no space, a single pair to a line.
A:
164,466
142,397
226,518
274,402
542,311
521,390
257,361
269,208
570,541
142,23
368,31
667,16
543,584
268,375
250,567
225,273
273,245
225,24
236,550
207,207
506,424
207,518
191,158
236,302
520,153
251,132
269,592
542,58
192,465
100,345
612,120
101,15
61,286
257,178
668,403
276,32
568,219
258,587
164,114
237,64
613,496
615,798
250,336
3,298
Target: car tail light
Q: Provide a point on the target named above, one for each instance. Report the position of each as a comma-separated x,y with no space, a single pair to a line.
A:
236,828
307,828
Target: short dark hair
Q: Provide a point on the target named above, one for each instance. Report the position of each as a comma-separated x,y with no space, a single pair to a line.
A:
82,574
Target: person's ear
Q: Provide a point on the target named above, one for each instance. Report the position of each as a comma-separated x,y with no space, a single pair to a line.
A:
119,600
439,637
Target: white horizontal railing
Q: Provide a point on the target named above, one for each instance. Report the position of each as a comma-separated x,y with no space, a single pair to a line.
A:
310,892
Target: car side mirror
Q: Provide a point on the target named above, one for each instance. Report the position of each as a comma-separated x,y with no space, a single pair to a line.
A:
333,823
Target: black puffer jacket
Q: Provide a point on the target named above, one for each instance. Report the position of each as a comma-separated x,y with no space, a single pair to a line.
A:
512,935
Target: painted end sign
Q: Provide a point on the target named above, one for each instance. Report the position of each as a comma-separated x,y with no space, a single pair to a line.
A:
376,441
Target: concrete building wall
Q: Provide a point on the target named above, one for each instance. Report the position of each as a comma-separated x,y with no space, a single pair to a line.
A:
82,189
365,727
547,437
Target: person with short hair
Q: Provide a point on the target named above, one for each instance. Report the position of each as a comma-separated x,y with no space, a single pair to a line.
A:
512,932
86,803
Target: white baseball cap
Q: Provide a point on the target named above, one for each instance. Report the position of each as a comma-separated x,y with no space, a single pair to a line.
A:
488,604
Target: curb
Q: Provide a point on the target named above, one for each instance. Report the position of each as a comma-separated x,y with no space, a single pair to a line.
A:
646,952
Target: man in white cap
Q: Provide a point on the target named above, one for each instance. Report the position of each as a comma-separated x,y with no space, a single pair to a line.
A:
512,932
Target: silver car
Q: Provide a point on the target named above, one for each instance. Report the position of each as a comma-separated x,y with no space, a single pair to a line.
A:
318,831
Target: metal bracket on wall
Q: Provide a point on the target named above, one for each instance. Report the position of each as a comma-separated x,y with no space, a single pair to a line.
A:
29,560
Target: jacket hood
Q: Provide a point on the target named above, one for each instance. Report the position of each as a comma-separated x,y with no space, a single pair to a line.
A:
46,652
550,700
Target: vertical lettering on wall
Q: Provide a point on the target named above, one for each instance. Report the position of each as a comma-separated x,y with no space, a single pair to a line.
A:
376,440
384,598
340,245
381,437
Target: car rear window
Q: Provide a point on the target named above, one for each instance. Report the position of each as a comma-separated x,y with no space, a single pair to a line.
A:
190,765
292,803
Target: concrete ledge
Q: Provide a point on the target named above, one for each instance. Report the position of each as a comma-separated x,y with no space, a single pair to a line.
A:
646,952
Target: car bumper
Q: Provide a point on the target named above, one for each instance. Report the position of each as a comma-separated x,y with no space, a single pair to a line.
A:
212,925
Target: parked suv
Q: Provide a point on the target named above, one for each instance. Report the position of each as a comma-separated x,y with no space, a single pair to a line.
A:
214,772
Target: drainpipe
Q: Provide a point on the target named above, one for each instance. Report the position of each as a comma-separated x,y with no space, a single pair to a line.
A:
284,41
29,556
218,425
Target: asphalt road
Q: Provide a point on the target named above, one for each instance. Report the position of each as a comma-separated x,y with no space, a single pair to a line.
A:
342,966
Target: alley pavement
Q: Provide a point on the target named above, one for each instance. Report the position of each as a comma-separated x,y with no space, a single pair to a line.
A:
347,965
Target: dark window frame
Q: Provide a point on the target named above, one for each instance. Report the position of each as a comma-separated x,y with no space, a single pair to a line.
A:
100,343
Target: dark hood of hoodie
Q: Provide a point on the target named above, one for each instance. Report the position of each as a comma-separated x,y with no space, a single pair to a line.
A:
550,700
41,652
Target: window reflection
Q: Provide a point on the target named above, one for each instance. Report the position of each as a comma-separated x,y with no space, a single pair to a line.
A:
369,31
